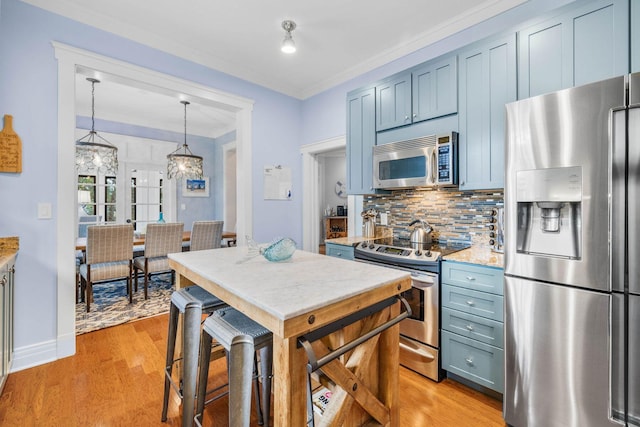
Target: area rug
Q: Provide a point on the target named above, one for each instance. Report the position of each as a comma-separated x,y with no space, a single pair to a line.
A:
111,305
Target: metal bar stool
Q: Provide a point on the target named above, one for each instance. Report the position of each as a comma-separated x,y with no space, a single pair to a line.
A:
191,301
241,337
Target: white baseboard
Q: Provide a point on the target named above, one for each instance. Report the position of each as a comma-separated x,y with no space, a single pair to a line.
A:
34,355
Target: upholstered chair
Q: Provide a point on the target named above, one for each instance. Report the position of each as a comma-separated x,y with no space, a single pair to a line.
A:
206,235
160,240
109,257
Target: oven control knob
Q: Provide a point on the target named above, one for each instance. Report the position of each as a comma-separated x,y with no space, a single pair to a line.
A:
427,253
492,234
492,242
371,246
363,245
418,253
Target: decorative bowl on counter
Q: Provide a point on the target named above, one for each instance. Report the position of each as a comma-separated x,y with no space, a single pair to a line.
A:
280,249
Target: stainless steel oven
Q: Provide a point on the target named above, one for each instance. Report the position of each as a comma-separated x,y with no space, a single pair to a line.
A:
419,343
419,334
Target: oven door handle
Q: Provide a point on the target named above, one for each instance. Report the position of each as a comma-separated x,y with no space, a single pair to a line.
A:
415,351
423,282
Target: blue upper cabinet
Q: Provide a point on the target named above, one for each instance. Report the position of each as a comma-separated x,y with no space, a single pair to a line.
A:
635,35
487,83
435,89
361,137
424,92
586,44
393,101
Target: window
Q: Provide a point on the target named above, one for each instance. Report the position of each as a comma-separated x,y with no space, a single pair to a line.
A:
100,201
96,199
147,190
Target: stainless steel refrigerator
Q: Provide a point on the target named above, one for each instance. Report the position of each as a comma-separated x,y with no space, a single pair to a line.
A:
572,257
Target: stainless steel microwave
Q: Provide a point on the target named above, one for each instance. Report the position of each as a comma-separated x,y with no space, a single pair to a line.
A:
422,162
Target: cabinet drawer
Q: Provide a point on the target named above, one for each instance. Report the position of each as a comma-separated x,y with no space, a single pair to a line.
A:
473,302
468,325
476,277
473,360
339,251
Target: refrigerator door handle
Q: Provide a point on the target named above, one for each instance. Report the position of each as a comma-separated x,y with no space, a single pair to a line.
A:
617,360
617,205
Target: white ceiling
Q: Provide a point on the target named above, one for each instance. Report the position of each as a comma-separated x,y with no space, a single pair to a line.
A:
336,39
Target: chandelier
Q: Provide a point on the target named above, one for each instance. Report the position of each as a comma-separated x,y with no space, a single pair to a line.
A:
182,163
94,153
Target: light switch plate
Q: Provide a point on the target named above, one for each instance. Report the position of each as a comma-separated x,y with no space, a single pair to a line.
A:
44,210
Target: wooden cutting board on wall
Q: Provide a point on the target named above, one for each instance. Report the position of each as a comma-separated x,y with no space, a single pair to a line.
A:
10,148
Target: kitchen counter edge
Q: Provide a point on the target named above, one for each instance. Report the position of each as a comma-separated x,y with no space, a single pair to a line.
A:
8,249
480,255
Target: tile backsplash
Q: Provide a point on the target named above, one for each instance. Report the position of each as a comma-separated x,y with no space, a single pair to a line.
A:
456,216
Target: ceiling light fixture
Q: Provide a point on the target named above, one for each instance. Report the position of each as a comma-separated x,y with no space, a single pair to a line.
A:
288,45
182,163
95,156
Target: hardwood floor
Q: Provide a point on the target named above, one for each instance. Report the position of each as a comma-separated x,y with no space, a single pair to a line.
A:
116,379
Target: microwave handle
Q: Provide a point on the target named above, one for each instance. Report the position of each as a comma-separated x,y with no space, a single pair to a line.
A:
434,166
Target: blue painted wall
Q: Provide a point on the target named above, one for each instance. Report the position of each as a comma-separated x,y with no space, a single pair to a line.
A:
28,91
281,124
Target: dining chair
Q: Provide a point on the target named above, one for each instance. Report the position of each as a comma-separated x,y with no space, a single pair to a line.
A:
160,240
206,235
109,257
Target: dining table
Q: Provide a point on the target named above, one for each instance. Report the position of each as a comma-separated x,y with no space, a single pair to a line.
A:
318,308
138,239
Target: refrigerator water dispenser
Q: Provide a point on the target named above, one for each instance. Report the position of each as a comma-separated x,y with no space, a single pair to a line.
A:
549,212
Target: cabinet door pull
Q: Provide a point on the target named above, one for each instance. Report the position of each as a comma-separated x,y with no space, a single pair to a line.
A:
470,303
470,327
406,118
469,360
471,278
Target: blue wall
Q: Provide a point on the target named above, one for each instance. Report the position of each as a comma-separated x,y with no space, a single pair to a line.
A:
281,124
28,91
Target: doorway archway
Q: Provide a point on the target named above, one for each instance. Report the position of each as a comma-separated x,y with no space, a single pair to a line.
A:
71,59
311,195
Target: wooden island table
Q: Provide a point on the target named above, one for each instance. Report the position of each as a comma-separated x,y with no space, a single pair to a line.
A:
303,295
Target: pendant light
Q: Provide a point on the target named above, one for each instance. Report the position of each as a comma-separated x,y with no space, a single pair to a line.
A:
182,163
288,45
95,155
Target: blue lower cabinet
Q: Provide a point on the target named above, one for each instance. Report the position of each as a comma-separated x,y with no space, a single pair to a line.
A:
478,362
472,328
339,251
475,327
474,302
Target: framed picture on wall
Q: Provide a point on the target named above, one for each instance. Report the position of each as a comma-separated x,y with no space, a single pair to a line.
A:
195,187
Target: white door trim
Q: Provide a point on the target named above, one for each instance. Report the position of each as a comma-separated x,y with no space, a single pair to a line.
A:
70,61
226,148
311,214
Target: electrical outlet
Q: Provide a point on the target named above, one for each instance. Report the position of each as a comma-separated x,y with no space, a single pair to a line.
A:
384,218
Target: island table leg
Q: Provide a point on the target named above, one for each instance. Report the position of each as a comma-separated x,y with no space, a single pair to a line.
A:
290,383
389,359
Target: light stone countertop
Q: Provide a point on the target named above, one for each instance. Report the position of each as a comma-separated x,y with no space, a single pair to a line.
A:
347,241
287,289
8,249
481,255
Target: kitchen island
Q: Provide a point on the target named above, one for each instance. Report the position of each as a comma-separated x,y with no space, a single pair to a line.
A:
303,294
